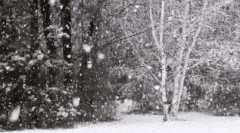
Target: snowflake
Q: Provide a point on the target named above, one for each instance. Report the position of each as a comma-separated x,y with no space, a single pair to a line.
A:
52,2
137,6
149,67
101,56
7,67
89,64
87,48
156,87
129,76
69,56
76,101
8,89
15,114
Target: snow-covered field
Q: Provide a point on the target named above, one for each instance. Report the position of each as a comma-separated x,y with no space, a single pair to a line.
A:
195,123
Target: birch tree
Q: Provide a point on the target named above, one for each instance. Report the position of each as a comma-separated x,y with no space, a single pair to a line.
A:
177,33
195,26
160,46
179,76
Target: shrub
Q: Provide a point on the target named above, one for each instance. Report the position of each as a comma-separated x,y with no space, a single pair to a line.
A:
226,102
106,112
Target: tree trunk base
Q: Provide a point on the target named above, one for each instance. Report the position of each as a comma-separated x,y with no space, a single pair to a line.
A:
174,117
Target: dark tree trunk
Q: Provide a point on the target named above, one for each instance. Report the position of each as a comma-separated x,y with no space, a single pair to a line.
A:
66,39
34,25
2,22
66,23
88,74
46,12
91,39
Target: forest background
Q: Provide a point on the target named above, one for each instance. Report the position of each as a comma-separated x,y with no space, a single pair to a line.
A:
65,61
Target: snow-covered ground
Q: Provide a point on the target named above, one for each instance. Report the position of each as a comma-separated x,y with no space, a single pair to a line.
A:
195,123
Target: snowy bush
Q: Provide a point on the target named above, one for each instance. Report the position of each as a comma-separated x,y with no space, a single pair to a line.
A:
226,102
105,112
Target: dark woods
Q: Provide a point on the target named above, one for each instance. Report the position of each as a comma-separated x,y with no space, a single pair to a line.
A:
41,76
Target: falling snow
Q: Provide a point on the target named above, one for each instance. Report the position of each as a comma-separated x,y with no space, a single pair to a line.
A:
156,87
38,85
87,48
52,2
149,67
137,6
89,64
100,56
69,56
76,101
14,116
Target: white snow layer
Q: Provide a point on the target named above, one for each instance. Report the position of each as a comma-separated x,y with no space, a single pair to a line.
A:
195,123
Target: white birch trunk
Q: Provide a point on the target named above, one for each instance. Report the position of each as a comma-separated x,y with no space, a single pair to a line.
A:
163,89
184,70
164,65
160,47
175,101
